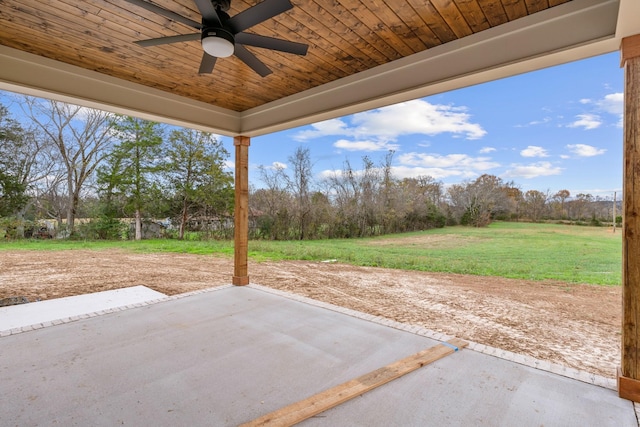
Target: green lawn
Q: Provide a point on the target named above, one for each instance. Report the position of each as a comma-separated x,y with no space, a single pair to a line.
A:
517,250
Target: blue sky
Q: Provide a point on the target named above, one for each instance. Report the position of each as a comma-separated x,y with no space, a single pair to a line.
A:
557,128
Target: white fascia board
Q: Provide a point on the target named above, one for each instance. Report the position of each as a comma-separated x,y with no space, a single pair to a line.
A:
628,19
34,75
575,30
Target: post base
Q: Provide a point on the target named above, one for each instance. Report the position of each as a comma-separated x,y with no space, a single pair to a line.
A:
240,280
628,388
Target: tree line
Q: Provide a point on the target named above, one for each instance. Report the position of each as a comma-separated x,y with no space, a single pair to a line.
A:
370,201
66,162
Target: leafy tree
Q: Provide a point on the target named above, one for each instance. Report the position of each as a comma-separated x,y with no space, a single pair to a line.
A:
194,167
13,195
132,165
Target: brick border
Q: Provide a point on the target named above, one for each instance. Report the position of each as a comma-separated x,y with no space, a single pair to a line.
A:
543,365
36,326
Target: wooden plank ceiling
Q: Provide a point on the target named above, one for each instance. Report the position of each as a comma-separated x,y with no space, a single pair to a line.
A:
344,37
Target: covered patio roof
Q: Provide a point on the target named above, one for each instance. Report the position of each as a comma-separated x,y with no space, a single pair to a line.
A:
361,55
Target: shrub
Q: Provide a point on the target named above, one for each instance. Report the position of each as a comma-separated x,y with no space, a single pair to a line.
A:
103,228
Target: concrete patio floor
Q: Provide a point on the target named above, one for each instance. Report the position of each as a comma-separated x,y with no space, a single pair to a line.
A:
229,355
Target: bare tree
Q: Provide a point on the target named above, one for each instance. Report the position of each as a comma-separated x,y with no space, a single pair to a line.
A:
535,202
82,137
476,202
370,182
273,203
515,199
345,190
28,159
562,196
420,202
579,205
300,186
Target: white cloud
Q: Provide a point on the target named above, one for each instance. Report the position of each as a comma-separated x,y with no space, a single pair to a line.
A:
412,165
417,117
455,161
326,128
586,121
532,170
584,150
402,172
486,150
612,103
534,151
407,118
274,166
540,122
365,145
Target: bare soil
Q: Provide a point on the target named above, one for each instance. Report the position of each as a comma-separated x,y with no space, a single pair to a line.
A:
573,325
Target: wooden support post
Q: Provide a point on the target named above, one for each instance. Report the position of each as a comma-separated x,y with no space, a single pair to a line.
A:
629,373
241,214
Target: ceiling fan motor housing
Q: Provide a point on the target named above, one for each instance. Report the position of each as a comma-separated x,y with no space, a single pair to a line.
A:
221,4
209,34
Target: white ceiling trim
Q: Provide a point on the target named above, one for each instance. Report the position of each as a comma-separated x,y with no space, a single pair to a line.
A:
37,76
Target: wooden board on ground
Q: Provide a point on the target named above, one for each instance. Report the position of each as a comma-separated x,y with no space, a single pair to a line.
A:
304,409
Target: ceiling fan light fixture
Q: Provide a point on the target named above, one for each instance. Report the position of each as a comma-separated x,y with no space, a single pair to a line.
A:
218,42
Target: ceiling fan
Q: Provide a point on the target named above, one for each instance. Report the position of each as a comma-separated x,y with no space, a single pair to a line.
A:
222,36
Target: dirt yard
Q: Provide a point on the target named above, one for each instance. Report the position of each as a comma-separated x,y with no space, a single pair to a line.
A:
573,325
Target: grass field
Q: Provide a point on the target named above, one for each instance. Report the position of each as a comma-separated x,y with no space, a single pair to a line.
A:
515,250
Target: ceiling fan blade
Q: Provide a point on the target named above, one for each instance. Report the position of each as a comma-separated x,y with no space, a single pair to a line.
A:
265,42
251,60
166,13
257,14
207,63
169,39
208,12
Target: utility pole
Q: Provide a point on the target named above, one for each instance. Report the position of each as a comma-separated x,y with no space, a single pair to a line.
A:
614,212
